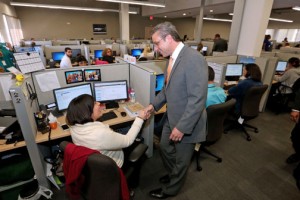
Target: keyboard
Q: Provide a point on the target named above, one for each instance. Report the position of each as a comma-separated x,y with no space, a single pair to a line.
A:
107,116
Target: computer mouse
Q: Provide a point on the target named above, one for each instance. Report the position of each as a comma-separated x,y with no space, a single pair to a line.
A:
123,114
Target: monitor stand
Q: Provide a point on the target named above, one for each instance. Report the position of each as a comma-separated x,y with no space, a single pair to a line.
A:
57,113
111,104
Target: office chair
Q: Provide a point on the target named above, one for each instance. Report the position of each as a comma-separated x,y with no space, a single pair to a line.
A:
102,176
249,109
215,120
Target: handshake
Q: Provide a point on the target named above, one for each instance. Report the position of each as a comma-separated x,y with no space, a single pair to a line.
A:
146,112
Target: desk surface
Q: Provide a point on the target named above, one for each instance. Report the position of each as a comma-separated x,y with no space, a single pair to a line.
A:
59,133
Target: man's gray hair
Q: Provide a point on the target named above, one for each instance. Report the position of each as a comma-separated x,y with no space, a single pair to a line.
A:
164,29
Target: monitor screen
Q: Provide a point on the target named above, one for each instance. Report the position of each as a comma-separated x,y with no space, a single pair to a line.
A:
75,52
57,56
246,60
194,47
110,91
63,96
281,65
234,69
98,53
92,75
74,76
159,82
204,48
136,52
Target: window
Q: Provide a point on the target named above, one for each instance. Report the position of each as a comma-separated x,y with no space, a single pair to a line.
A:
13,29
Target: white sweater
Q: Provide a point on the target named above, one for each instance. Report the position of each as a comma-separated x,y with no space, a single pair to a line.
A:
98,136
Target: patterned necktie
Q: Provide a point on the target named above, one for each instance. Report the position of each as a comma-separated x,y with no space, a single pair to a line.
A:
169,69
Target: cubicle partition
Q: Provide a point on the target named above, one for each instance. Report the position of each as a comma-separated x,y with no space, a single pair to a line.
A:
290,50
65,42
286,56
50,49
6,82
158,66
46,81
221,59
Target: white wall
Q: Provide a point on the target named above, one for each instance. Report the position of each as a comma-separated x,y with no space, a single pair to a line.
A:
6,9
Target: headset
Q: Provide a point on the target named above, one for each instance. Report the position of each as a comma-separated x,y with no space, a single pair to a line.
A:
32,94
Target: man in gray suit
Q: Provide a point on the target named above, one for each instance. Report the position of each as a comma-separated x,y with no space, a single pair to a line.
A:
185,95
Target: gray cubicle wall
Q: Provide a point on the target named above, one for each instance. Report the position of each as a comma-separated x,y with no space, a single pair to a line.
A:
286,56
50,49
143,80
108,73
158,66
221,59
65,42
5,99
113,47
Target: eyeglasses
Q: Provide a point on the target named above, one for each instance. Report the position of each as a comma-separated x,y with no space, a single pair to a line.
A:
157,43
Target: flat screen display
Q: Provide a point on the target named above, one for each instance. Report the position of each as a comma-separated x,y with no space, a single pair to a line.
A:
160,79
98,53
110,91
74,76
281,65
92,75
136,52
57,56
204,48
234,69
75,52
63,96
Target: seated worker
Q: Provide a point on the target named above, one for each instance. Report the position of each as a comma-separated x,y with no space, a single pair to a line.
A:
147,53
199,47
291,74
220,44
107,55
215,95
252,74
81,60
66,59
82,113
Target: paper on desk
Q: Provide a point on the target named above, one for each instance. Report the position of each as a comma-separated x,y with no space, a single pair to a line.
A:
6,82
47,81
133,109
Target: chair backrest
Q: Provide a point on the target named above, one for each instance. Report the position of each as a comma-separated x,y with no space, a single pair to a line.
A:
251,101
215,119
102,177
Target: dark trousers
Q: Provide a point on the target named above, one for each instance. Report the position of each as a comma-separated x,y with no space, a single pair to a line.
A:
295,137
176,158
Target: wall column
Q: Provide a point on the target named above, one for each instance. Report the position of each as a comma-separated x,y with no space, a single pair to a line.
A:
199,23
124,22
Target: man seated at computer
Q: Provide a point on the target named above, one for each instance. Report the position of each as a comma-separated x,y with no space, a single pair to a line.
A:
215,95
66,59
147,53
252,74
107,55
82,114
290,75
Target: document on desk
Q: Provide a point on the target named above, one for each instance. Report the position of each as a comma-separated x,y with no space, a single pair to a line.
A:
133,109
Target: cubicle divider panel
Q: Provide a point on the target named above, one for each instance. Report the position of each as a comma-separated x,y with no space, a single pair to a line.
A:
6,82
46,81
262,63
267,54
267,79
25,115
222,59
158,66
65,42
290,50
143,80
210,45
286,56
50,49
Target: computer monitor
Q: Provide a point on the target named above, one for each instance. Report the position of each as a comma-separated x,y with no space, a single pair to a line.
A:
75,52
233,71
136,52
160,79
204,48
246,60
98,53
110,92
63,96
57,56
74,76
281,65
194,47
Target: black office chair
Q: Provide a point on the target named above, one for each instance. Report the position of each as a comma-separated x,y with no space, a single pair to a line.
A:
215,119
249,109
102,176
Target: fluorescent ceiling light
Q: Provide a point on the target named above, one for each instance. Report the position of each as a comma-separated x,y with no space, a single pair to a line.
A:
143,3
296,8
35,5
216,19
275,19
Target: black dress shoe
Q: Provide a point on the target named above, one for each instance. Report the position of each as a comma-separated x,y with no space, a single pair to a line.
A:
293,158
158,194
165,179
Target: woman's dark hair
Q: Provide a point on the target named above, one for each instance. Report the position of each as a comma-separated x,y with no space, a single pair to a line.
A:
211,74
294,62
80,110
253,72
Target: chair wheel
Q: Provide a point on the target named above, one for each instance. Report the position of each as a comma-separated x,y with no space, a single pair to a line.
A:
199,169
219,159
248,138
256,130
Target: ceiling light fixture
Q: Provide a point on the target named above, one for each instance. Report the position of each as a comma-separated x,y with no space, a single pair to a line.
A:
296,8
184,14
143,3
35,5
275,19
216,19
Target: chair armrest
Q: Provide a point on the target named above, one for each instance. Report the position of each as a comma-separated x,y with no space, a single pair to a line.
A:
138,152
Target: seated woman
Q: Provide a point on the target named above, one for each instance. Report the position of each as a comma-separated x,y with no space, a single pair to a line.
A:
82,114
81,60
291,74
147,53
252,74
107,55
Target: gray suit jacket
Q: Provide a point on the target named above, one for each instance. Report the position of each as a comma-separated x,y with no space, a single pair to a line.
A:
185,95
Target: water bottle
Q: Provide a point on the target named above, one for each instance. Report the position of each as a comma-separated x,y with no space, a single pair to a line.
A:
132,96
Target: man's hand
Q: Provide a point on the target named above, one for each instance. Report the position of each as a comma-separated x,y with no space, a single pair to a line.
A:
148,110
176,135
294,116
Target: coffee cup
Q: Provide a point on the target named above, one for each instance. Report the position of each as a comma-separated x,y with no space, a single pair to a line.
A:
53,124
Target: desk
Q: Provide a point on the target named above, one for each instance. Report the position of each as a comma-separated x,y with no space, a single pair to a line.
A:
59,133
